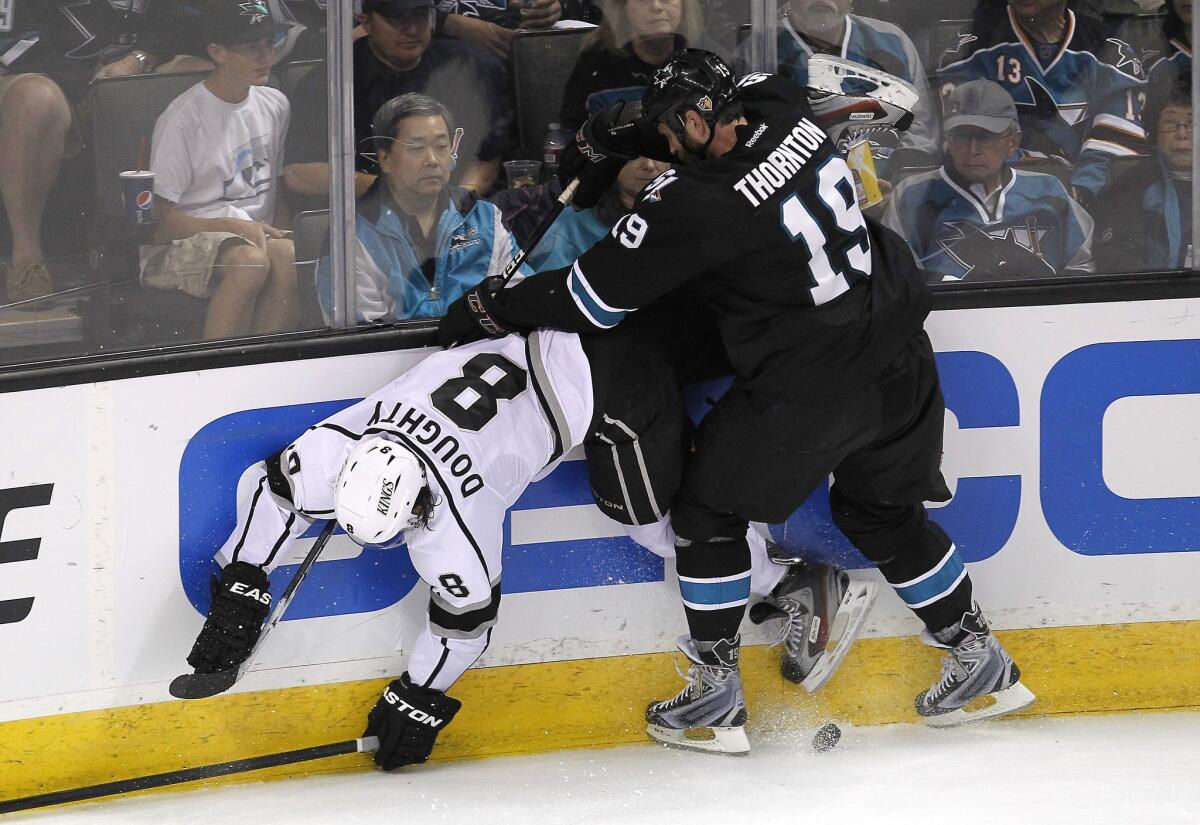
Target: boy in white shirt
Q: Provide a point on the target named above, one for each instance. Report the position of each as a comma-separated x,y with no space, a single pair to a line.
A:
216,154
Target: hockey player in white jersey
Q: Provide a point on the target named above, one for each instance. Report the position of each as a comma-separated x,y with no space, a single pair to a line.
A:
434,460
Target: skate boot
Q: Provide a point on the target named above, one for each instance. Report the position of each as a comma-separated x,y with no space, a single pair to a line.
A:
710,712
979,679
822,612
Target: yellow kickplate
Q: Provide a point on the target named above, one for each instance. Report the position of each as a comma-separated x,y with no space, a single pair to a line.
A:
586,703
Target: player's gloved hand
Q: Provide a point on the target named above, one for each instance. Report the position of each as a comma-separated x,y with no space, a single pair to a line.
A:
472,317
240,604
407,719
606,142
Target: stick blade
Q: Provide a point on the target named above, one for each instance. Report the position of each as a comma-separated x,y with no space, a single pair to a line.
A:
202,685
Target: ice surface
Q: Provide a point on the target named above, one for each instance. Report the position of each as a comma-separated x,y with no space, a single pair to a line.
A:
1101,770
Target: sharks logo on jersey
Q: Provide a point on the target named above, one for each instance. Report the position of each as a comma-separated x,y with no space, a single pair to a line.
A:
996,251
1029,228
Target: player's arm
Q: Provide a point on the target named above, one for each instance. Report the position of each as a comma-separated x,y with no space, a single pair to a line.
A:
648,253
460,561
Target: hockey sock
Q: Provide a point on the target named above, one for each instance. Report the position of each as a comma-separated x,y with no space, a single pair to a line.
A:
936,588
914,554
714,582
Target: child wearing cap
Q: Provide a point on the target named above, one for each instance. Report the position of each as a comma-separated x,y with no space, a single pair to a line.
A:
216,154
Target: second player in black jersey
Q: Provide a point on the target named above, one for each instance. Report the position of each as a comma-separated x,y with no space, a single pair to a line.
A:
821,313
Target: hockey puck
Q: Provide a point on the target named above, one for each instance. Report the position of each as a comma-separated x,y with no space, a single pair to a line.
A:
826,738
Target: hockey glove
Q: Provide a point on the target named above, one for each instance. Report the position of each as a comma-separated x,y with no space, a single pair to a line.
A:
240,604
472,317
407,719
604,144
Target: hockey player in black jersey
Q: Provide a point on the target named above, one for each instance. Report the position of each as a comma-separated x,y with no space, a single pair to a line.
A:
821,314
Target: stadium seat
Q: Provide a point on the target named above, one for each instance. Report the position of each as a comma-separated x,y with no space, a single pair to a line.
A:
542,61
944,40
311,234
294,73
124,110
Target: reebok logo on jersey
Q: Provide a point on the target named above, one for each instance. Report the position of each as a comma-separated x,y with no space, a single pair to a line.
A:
416,714
787,159
762,127
260,596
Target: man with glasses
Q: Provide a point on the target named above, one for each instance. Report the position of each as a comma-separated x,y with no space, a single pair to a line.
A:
1078,89
977,218
216,153
421,242
400,55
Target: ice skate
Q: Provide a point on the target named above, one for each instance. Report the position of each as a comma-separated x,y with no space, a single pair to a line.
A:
979,679
709,714
823,612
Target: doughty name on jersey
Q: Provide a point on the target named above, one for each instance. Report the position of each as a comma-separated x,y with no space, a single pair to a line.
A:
425,430
782,164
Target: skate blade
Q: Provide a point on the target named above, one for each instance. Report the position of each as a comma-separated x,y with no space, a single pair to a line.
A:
1011,699
724,741
847,623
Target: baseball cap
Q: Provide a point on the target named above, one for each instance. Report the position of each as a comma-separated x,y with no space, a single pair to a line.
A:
395,8
981,103
234,22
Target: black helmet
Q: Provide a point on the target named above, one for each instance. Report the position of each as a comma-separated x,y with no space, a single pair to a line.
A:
692,79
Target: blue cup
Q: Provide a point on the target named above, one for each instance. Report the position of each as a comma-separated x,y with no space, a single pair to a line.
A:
137,190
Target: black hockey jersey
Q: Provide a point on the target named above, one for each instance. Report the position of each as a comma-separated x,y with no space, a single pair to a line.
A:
811,300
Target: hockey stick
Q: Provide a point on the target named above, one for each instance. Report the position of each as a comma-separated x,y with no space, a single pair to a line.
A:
203,685
160,780
540,231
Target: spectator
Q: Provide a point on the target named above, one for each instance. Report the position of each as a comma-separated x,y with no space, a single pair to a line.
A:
421,243
1147,224
976,218
621,55
216,154
491,23
399,54
826,27
49,53
575,231
1078,90
1177,46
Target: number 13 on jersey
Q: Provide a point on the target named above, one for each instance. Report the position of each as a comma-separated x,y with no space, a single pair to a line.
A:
833,232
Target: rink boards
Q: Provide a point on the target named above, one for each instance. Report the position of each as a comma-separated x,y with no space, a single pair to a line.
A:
1071,446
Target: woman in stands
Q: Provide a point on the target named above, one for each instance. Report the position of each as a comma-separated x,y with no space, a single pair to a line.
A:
622,54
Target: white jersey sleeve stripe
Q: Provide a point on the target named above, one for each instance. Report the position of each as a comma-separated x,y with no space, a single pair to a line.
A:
544,389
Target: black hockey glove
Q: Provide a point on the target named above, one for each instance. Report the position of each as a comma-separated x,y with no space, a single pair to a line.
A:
608,140
240,604
407,719
472,317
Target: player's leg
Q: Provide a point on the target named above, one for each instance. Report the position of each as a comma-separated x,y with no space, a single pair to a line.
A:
877,501
747,463
34,120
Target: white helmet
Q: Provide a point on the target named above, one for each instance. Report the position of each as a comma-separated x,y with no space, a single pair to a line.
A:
376,489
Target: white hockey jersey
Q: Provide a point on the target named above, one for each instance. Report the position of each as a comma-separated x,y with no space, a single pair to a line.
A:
486,420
